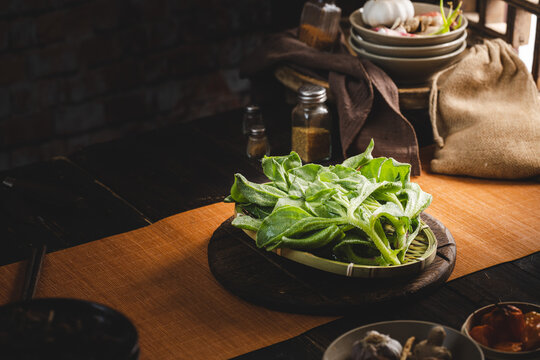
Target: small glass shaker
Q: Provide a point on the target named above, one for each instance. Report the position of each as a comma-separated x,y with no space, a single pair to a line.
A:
257,146
319,24
312,125
252,116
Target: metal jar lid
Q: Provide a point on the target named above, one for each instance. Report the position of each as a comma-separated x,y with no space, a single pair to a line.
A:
312,94
257,130
251,109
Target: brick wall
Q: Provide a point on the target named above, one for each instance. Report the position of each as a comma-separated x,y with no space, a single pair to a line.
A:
76,72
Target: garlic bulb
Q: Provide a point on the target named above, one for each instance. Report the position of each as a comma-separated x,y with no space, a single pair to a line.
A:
389,13
376,346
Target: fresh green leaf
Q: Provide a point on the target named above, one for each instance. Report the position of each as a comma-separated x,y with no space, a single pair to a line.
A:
392,170
291,161
254,210
275,172
277,223
246,222
363,211
354,249
287,201
306,172
417,200
371,168
314,241
326,175
357,161
276,168
244,191
343,171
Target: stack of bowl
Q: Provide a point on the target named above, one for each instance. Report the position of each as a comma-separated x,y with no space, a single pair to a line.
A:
408,60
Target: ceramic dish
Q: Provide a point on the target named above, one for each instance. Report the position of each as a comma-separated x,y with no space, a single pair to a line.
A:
420,40
421,253
460,345
408,51
410,70
502,355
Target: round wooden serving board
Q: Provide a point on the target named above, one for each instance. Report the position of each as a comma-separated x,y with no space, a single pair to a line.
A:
266,279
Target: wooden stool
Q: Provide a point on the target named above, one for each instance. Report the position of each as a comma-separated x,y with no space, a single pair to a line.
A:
410,98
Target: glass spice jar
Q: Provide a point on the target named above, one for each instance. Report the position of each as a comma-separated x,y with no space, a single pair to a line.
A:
319,24
257,146
311,125
252,116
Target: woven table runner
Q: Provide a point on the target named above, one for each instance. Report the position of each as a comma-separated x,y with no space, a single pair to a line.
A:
158,275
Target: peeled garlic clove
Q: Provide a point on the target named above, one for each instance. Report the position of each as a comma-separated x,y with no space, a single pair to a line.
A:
411,25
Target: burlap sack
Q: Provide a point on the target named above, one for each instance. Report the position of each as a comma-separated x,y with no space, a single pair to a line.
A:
485,112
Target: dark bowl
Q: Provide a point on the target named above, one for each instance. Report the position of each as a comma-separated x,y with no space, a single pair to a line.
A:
56,328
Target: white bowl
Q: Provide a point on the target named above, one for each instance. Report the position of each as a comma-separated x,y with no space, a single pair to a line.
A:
461,346
408,71
409,51
419,40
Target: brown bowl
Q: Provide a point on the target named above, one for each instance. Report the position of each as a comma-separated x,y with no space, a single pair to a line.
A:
408,51
491,353
420,40
410,70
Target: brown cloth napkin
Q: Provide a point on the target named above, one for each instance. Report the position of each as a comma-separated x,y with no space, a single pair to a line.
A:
367,99
485,113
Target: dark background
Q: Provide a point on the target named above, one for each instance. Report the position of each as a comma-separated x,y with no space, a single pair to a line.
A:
77,72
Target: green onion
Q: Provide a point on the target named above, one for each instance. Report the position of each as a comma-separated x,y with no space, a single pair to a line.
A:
449,20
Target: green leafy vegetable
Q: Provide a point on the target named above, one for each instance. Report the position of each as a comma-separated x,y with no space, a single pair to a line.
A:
364,211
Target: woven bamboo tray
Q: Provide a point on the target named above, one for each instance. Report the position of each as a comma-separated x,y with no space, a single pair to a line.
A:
421,253
264,278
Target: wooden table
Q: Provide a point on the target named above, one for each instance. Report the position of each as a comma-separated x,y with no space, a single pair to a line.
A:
115,187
